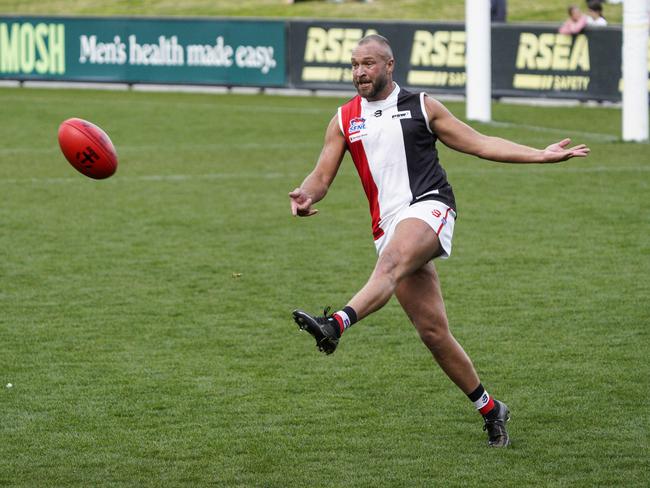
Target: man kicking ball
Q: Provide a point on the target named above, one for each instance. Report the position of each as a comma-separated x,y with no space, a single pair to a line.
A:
391,135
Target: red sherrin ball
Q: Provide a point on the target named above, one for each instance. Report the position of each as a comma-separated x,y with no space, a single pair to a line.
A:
87,148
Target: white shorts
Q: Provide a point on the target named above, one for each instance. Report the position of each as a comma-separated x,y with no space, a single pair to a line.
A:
439,216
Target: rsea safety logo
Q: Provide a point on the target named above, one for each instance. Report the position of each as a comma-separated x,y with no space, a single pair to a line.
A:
438,59
27,48
552,62
332,47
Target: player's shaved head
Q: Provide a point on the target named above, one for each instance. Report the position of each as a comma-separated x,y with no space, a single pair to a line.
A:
386,50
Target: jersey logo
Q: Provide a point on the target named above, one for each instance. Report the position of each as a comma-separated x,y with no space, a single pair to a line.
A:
377,113
405,114
357,124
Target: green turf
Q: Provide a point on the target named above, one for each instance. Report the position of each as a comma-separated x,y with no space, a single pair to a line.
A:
518,10
145,320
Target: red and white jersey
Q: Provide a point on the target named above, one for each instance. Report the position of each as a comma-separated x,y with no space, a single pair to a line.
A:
393,149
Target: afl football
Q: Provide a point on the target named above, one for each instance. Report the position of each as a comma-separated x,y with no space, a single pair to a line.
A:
87,148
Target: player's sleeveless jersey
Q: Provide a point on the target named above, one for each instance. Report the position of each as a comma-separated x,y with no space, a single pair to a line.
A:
394,151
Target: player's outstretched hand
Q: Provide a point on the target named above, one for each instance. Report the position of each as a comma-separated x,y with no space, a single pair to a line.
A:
301,203
558,152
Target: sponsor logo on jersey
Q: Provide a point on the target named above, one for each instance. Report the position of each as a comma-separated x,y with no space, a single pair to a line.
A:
356,137
404,114
357,124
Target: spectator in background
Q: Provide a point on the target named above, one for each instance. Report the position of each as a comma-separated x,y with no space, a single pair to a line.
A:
595,14
576,22
498,10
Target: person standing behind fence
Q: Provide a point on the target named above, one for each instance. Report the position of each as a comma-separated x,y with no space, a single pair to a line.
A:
576,22
595,14
498,10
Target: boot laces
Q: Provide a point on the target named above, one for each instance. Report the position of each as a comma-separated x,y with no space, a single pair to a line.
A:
325,319
496,428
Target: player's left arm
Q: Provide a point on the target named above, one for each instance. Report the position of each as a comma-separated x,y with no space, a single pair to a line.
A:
457,135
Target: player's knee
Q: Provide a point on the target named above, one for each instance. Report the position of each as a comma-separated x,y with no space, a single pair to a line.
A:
435,335
388,264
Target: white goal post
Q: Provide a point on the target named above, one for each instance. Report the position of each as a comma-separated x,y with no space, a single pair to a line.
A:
636,19
635,70
478,60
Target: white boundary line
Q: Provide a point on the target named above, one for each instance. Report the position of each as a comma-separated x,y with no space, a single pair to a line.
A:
565,132
146,178
273,176
153,87
124,148
188,103
284,109
304,110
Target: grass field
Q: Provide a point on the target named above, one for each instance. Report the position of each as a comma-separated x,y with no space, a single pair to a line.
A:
145,319
518,10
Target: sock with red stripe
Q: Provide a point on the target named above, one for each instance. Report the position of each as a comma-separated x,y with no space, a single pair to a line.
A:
345,318
482,400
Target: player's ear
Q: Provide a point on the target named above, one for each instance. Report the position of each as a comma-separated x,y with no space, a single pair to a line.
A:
390,65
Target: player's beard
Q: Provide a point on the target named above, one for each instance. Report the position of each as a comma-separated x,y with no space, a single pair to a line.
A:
378,85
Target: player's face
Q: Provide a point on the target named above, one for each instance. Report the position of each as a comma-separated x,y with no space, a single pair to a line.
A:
372,73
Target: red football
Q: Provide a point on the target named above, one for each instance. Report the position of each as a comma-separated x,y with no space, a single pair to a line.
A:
87,148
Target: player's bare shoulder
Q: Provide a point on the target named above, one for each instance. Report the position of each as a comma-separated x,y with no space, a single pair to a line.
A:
435,109
334,125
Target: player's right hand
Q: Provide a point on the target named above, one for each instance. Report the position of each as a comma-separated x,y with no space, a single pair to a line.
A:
558,152
301,203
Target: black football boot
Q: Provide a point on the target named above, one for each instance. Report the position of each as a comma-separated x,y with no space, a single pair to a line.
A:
325,329
495,424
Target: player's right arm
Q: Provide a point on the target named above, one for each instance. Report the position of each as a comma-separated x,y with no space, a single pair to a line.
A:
461,137
315,186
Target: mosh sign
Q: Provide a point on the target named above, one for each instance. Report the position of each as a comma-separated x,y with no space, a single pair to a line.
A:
220,52
27,48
